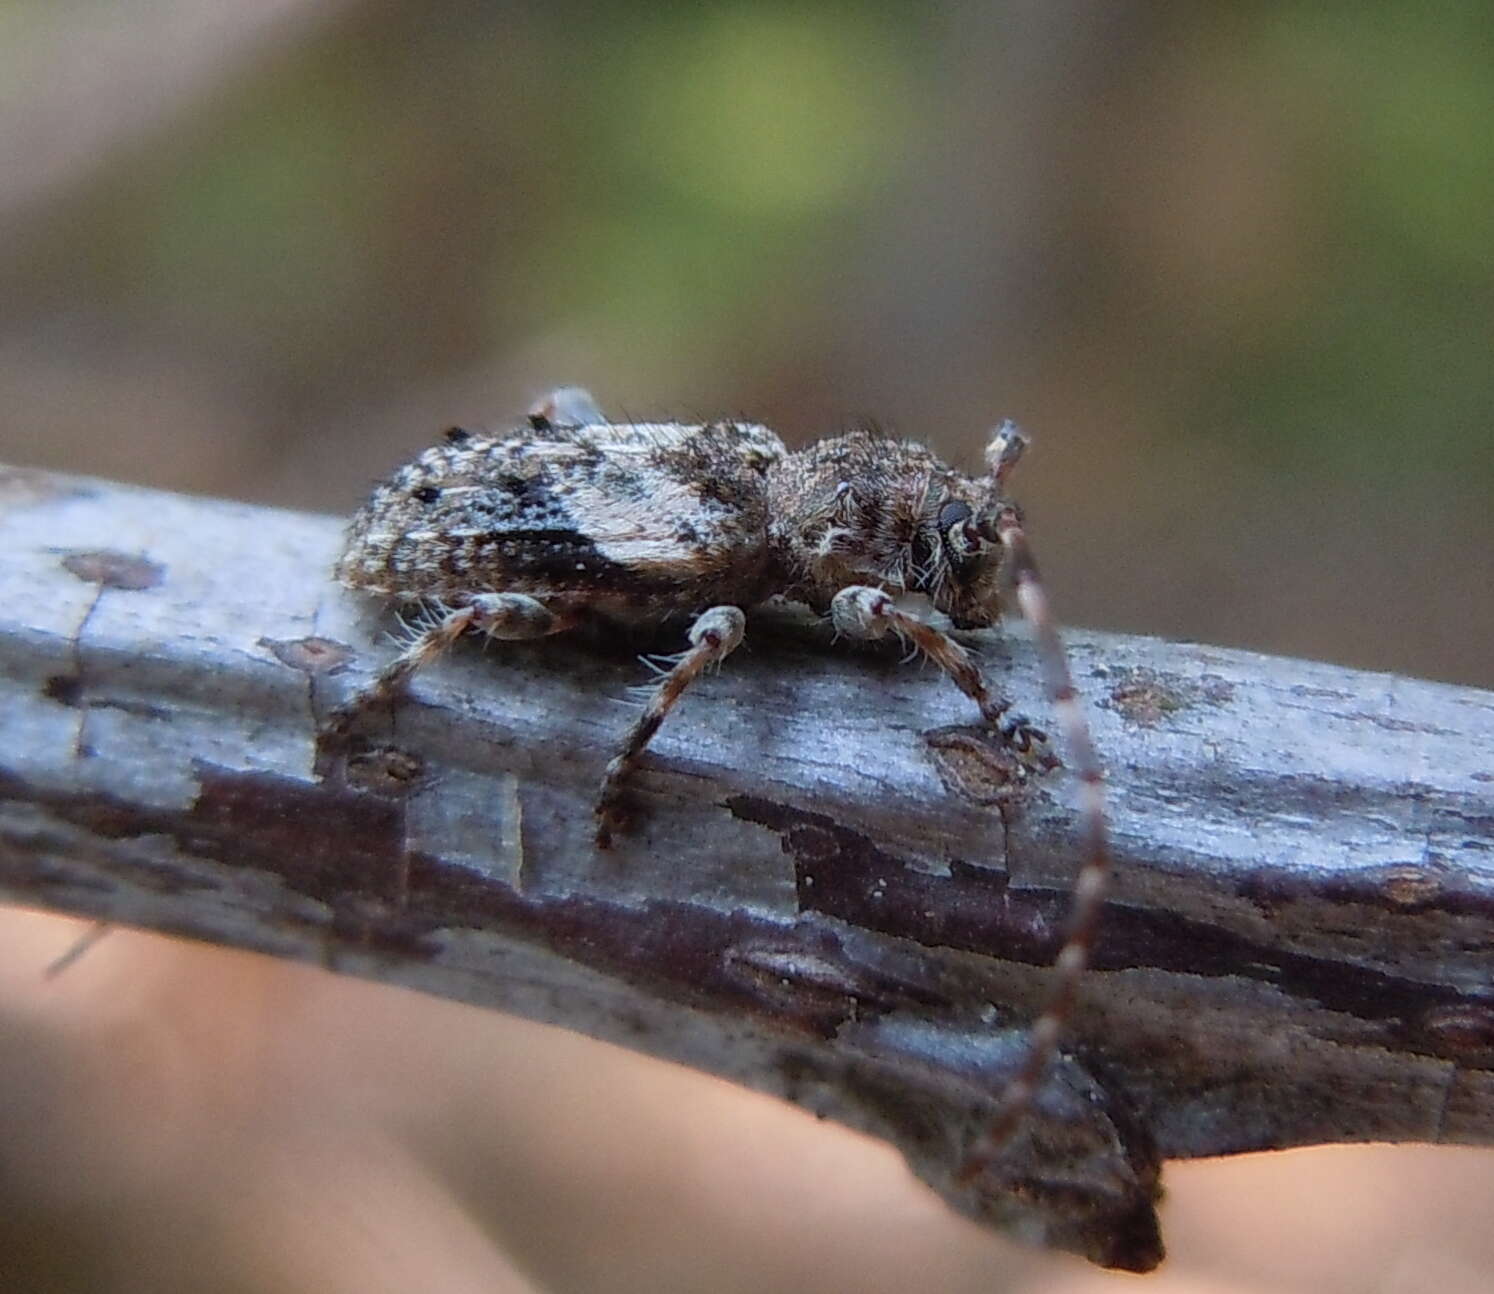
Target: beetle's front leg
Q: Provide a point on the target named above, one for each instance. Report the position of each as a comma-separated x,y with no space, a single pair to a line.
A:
862,612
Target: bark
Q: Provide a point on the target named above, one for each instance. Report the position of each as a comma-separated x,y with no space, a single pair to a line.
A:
834,891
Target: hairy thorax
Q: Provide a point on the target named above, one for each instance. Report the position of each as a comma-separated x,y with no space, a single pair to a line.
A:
867,509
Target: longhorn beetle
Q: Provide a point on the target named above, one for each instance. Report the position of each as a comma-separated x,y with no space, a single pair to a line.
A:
570,519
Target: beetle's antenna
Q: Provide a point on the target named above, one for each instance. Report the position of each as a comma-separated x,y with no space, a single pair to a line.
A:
1094,873
1006,447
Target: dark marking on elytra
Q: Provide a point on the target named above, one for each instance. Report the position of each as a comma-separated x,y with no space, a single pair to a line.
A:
560,555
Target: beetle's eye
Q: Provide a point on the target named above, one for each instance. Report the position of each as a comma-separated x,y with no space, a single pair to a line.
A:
426,493
952,513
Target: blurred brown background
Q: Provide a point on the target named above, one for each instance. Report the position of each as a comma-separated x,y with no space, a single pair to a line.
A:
1230,264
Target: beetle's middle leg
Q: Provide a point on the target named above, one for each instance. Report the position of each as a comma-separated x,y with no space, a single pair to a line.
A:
860,611
713,637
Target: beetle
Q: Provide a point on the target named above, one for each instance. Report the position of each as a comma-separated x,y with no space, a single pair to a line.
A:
569,519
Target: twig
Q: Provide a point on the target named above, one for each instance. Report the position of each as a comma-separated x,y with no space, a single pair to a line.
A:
836,893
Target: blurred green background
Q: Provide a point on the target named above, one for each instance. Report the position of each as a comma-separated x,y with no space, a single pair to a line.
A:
1231,265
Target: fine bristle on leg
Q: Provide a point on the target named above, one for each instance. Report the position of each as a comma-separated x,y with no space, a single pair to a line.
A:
1094,873
394,678
715,634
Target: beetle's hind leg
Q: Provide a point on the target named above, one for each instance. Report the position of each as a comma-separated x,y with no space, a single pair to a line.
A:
860,611
512,616
713,637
